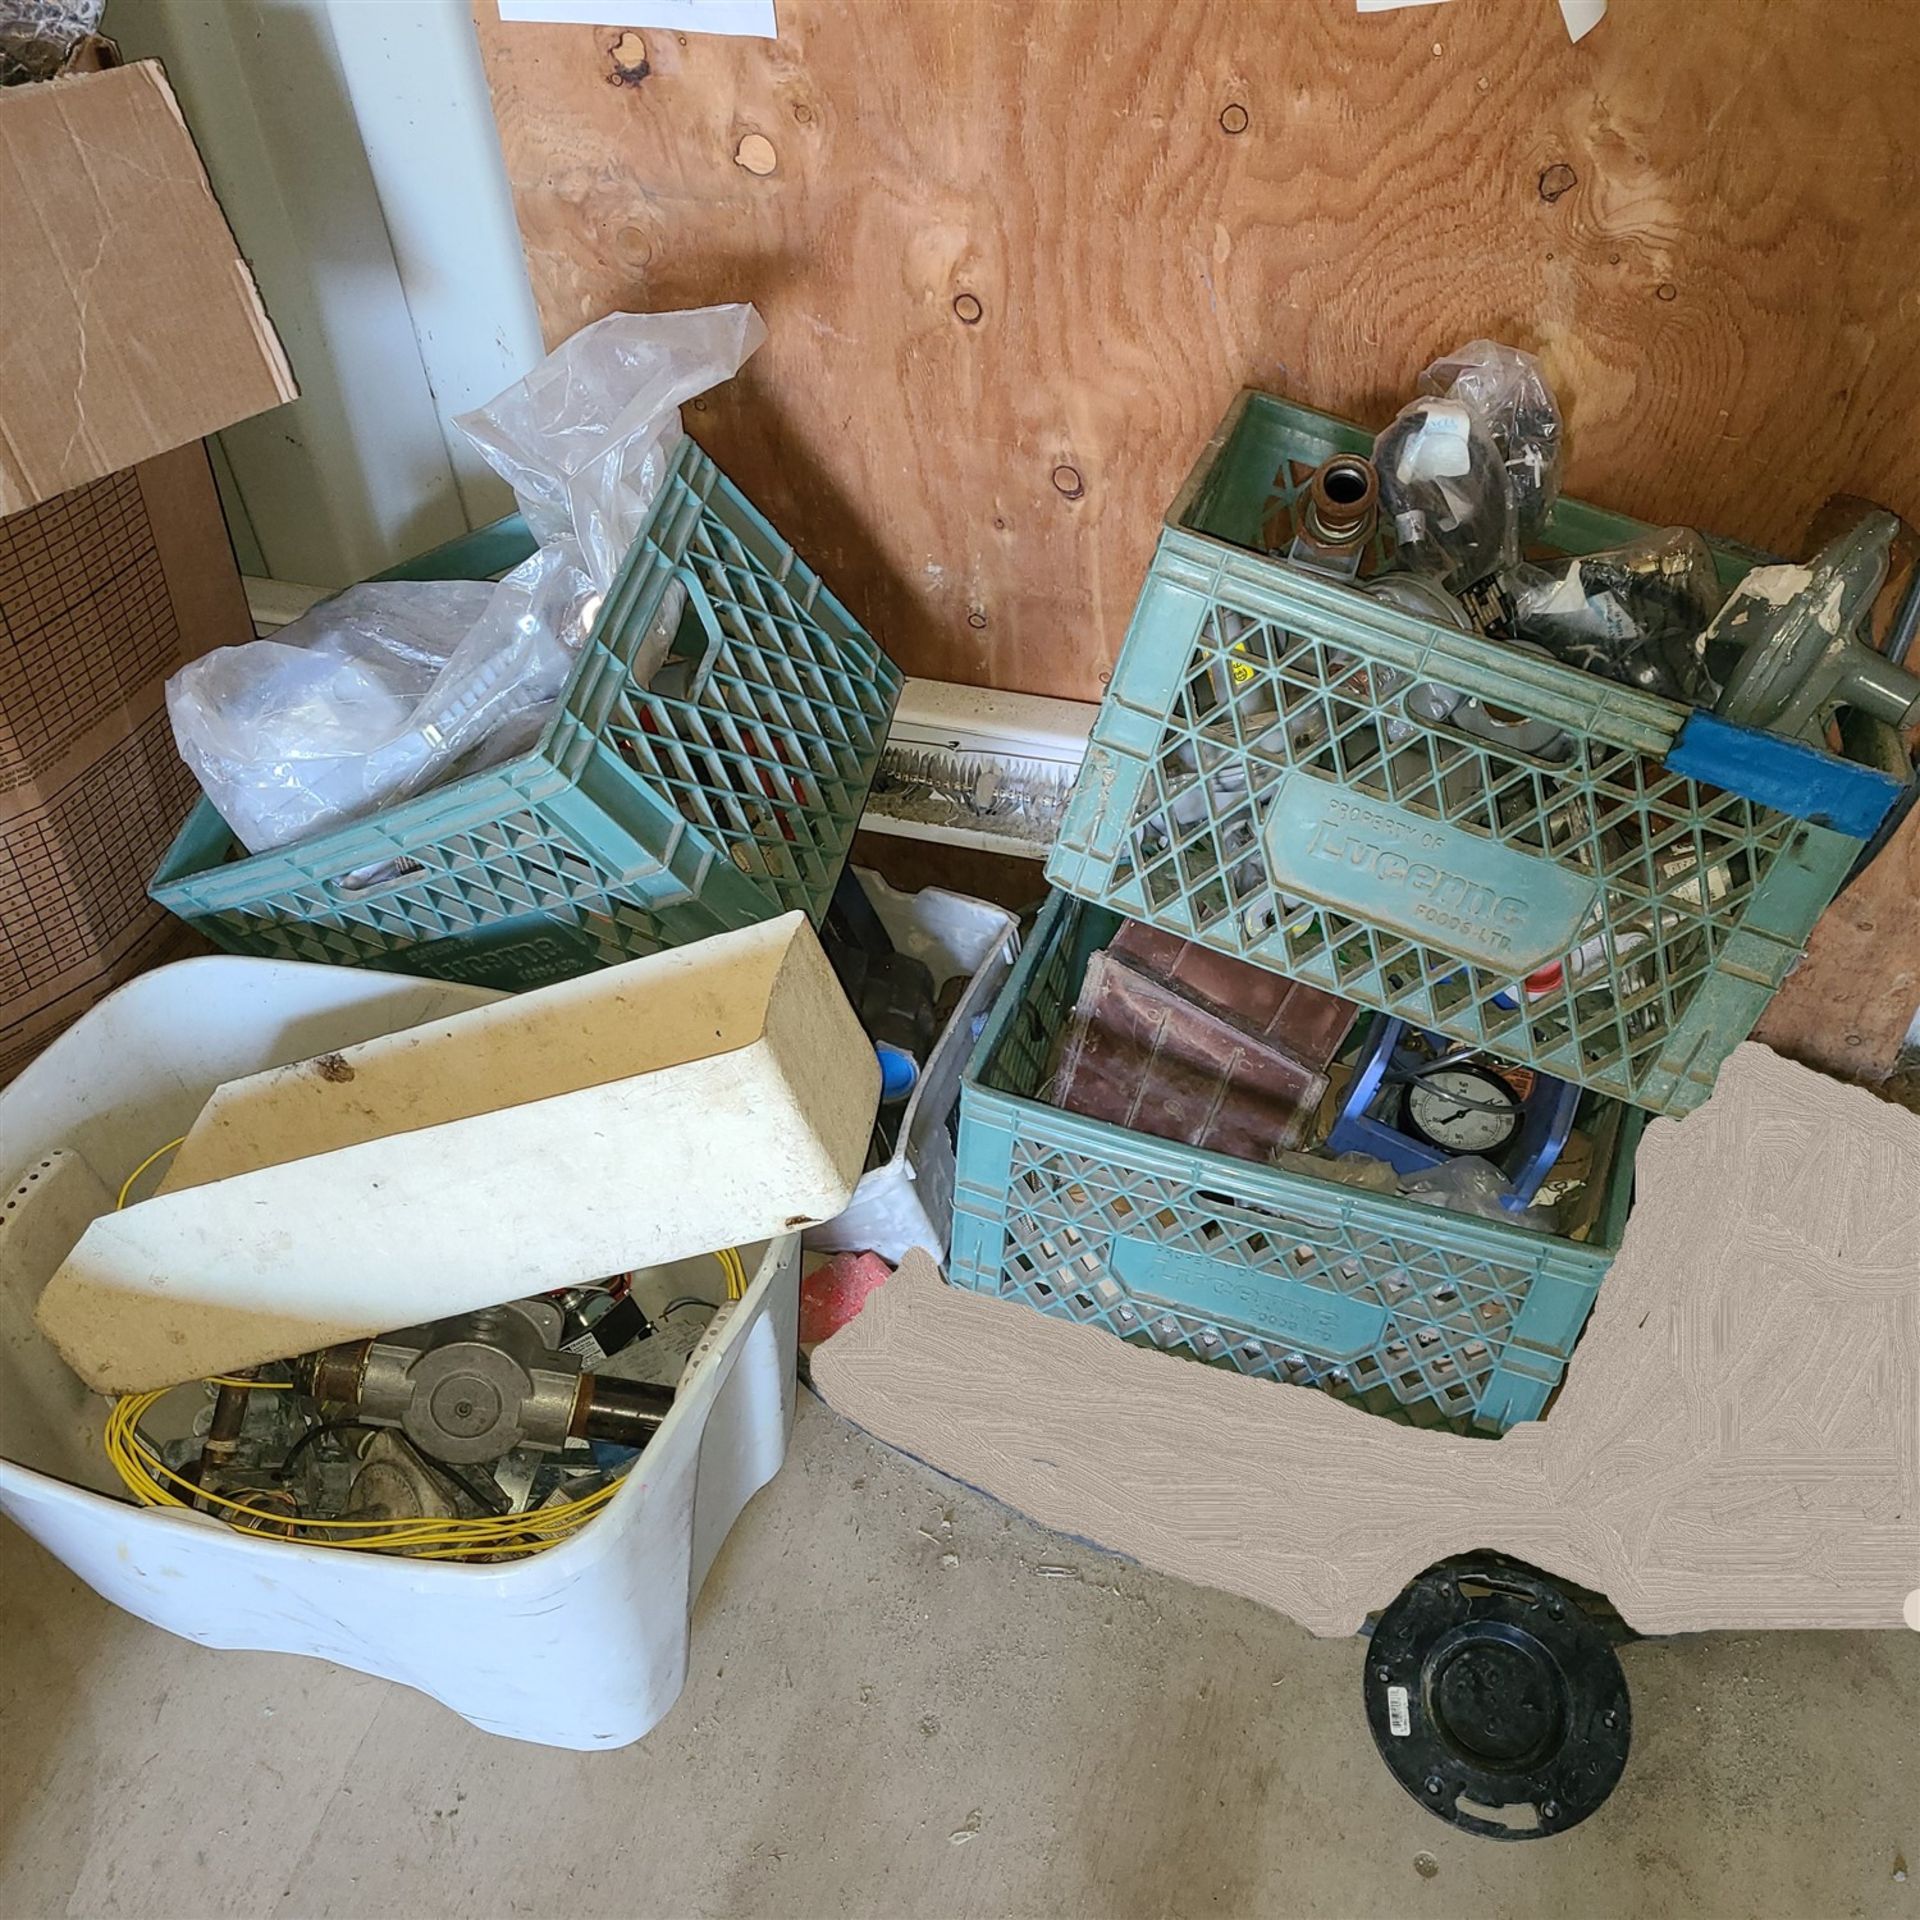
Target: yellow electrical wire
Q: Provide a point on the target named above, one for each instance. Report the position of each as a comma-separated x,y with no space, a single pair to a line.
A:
488,1536
126,1185
493,1536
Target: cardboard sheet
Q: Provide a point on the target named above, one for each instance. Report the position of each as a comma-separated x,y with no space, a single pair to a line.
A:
104,591
1737,1444
132,324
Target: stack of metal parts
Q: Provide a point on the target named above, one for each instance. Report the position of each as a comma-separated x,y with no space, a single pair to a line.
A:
487,1414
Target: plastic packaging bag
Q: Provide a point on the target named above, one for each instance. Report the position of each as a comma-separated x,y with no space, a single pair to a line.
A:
1469,471
1360,1170
1472,1185
584,440
37,37
330,687
1637,614
403,692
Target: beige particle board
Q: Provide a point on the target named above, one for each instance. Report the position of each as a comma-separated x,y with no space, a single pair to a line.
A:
710,1096
1737,1444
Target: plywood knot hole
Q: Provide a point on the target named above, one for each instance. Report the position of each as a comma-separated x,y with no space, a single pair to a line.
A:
1066,480
1666,290
755,153
627,63
1234,118
1557,180
967,309
976,619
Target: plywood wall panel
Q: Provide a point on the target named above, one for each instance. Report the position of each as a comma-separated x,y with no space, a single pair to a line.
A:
1017,255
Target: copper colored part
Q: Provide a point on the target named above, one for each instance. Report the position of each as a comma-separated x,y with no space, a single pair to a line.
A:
1343,502
335,1373
582,1406
223,1433
628,1412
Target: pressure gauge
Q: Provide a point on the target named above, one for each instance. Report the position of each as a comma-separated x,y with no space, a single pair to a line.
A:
1463,1109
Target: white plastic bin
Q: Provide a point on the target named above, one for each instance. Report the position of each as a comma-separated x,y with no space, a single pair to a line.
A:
909,1201
584,1645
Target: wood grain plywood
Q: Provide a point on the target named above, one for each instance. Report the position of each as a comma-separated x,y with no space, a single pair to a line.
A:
1737,1444
1017,259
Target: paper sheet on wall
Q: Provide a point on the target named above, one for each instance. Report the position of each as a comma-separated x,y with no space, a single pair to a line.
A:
1581,16
752,18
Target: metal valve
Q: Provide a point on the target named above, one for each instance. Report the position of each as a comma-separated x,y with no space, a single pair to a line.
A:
472,1388
1802,653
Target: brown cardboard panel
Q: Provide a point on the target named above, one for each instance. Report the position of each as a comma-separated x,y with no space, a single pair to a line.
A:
132,324
104,591
1737,1444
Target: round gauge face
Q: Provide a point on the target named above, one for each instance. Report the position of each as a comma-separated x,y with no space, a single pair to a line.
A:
1463,1110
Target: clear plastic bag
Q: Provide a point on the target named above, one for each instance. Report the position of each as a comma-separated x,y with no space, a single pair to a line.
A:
1475,1186
391,688
1507,393
1637,614
584,440
281,731
38,36
1469,471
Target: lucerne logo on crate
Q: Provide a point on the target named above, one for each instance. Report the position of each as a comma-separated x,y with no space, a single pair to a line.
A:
1421,876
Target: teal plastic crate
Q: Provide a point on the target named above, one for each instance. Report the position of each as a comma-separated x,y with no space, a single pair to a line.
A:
1256,780
1440,1318
637,821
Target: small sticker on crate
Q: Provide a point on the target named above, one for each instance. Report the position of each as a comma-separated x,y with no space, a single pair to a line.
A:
1399,1720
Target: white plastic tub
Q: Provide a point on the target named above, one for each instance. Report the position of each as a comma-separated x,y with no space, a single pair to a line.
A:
909,1201
584,1645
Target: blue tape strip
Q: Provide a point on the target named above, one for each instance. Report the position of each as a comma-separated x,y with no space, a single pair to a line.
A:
1788,775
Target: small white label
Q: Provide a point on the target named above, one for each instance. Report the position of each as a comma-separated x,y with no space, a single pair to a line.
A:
1399,1721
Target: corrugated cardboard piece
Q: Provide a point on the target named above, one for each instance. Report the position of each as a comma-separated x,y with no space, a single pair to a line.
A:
709,1096
131,328
104,591
131,323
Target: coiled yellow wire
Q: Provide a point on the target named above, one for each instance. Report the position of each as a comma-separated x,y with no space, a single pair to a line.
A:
493,1536
477,1537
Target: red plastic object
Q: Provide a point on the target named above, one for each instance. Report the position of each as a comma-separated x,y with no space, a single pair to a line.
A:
835,1291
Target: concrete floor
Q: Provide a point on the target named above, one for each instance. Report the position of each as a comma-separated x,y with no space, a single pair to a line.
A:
907,1701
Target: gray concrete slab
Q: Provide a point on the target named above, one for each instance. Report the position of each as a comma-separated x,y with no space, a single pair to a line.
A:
906,1701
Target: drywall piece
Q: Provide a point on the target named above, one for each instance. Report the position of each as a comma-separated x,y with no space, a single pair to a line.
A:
1737,1444
705,1097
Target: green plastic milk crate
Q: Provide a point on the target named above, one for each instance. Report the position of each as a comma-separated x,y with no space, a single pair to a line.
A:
636,821
1439,1318
1258,780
